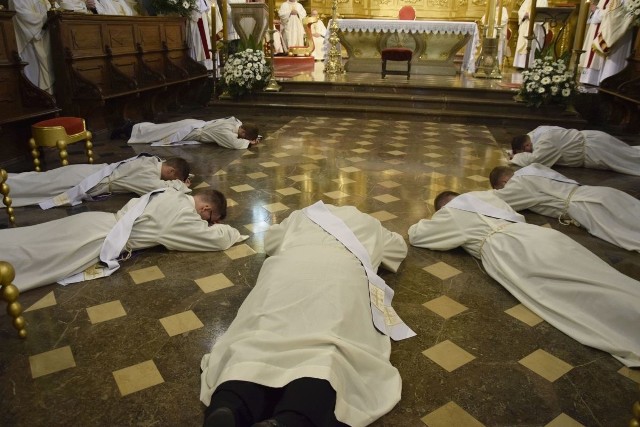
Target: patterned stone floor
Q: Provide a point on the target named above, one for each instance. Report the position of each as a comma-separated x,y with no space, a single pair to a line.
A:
125,350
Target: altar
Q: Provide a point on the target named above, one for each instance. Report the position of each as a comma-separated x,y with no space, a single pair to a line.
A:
434,44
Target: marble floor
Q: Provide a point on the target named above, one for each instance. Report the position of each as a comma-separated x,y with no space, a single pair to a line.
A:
126,349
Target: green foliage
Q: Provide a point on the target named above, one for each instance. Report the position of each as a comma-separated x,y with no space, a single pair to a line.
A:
174,7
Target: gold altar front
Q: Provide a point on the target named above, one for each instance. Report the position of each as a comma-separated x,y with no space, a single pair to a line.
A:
434,44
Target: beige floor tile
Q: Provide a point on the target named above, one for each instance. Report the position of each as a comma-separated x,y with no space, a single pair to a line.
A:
450,415
137,377
546,365
213,283
239,251
350,169
107,311
203,184
181,323
275,207
360,150
231,203
397,144
258,227
632,374
298,178
315,156
336,194
434,155
146,274
445,306
356,159
383,216
280,155
448,355
287,191
364,142
391,172
46,301
51,361
433,147
546,225
386,198
396,153
436,175
564,420
257,175
434,164
442,270
242,188
269,164
220,172
524,315
389,184
478,178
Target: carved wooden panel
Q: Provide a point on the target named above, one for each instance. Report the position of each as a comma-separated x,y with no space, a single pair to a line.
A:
94,71
85,39
150,36
9,89
7,40
121,38
174,36
155,61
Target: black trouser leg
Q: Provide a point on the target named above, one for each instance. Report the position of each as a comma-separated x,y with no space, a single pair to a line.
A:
307,402
249,402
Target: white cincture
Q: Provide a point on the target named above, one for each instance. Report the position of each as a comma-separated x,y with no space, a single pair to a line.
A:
534,170
74,195
114,243
385,319
466,202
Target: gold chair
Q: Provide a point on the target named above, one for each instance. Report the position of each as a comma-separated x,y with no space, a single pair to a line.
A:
10,294
59,132
4,190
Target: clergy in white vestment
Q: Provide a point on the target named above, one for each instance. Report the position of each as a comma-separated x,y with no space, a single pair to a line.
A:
54,251
501,31
520,57
608,42
309,316
79,6
138,175
593,149
318,31
32,38
549,273
605,212
291,15
228,132
113,7
198,34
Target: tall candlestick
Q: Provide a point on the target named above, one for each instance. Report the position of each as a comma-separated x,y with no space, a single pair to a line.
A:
272,11
499,20
581,24
491,19
530,34
225,21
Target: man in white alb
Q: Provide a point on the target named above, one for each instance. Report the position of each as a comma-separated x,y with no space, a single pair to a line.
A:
604,212
305,332
318,31
228,132
291,15
138,175
69,250
520,57
593,149
548,272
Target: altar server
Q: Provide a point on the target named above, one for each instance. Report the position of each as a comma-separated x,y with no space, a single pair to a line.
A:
32,38
549,273
520,57
291,15
604,212
198,34
137,175
318,31
68,250
549,145
304,336
228,132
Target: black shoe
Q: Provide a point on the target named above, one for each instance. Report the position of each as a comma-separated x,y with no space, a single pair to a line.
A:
221,417
123,132
269,423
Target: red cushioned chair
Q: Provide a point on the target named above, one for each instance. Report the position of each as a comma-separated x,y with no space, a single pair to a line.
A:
406,13
59,132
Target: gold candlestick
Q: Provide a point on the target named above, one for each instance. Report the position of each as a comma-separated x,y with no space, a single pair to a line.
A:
273,85
333,66
530,34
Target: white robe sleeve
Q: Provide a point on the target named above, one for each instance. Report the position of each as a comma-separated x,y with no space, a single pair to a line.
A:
544,152
517,195
192,234
394,250
439,233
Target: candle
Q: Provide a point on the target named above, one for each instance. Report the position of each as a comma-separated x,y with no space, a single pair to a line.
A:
491,19
225,21
499,20
272,10
581,24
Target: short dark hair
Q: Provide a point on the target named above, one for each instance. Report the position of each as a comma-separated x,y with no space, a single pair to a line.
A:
181,166
497,173
517,142
438,203
251,131
216,199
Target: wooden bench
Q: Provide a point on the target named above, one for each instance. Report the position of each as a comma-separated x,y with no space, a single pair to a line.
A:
113,67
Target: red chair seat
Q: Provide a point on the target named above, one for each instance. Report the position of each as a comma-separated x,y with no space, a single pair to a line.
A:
71,125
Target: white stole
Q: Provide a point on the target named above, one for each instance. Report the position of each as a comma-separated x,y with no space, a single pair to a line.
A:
114,243
535,170
74,195
385,319
466,202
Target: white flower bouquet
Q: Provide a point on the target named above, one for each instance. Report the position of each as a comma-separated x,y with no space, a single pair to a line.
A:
245,72
174,7
547,82
633,9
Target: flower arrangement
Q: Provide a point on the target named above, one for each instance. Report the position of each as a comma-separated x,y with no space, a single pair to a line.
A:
172,7
547,82
245,72
633,9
